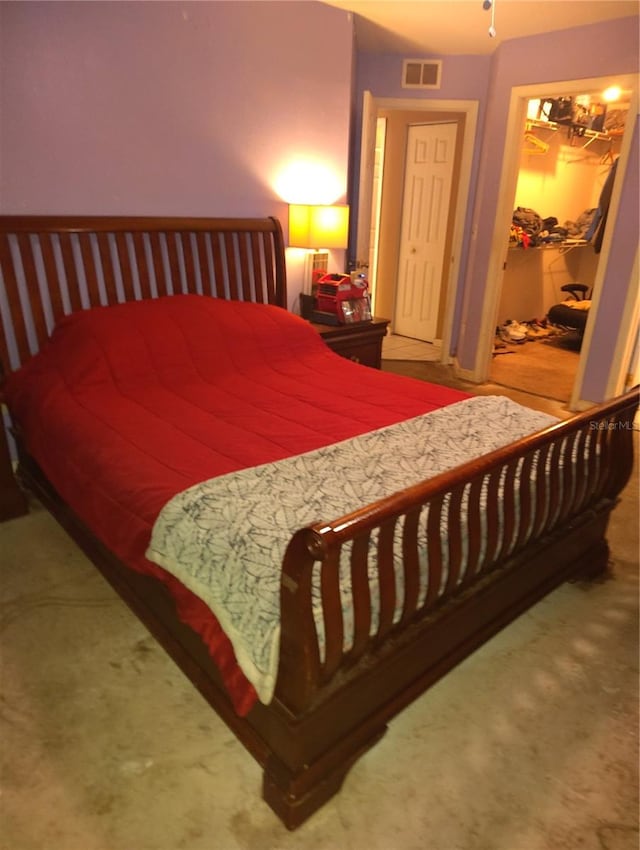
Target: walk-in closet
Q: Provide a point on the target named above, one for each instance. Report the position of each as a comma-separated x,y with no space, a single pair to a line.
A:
569,148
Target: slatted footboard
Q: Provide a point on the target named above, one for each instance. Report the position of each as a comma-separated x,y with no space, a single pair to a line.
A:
476,547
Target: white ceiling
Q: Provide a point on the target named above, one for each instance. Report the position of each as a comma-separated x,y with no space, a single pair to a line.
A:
432,27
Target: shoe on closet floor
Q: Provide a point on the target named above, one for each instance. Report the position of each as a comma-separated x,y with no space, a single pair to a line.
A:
535,330
512,331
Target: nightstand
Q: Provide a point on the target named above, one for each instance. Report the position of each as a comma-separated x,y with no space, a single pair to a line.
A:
360,341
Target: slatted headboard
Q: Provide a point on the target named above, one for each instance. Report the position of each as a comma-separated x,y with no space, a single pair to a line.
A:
53,265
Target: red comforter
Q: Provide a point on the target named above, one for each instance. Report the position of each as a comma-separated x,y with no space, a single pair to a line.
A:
128,405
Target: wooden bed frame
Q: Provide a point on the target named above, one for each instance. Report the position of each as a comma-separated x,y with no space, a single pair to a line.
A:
326,711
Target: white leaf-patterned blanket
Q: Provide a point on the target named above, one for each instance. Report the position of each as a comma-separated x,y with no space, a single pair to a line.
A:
225,538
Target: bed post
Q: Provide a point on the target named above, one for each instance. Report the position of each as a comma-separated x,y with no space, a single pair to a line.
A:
13,502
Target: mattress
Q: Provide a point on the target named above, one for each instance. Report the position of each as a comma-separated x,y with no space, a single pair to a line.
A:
129,405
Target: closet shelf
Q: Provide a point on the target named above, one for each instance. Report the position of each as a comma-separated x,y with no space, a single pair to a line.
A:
565,247
574,132
589,136
535,123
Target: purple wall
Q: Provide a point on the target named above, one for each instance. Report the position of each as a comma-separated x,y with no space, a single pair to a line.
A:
194,108
563,55
179,108
624,244
463,78
583,52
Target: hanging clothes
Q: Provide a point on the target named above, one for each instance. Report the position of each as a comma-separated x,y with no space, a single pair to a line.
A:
596,231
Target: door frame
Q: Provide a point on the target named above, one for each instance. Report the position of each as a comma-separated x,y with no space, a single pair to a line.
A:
371,107
520,95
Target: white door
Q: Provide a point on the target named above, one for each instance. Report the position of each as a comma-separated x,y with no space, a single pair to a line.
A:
425,214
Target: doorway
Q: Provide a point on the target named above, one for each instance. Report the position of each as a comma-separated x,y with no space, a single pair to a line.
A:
563,166
428,176
516,122
380,196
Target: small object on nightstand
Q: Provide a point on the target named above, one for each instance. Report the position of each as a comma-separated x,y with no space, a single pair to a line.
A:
339,299
324,318
307,303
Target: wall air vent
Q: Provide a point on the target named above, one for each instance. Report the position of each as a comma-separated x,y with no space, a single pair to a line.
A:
421,73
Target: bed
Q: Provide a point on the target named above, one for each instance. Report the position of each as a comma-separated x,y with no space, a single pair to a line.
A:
161,400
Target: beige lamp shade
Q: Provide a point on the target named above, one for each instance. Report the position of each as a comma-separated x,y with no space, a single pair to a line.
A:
318,226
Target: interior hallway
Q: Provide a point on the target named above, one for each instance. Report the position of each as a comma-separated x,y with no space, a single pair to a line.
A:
530,744
395,347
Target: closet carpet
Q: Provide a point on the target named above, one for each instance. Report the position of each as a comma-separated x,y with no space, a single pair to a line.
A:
543,367
439,373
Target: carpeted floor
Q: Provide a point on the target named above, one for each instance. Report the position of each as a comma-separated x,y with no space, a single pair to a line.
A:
439,373
544,367
530,744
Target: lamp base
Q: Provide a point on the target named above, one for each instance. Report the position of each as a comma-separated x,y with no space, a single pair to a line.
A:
316,263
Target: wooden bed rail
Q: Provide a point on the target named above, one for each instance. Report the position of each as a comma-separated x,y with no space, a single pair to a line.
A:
445,535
